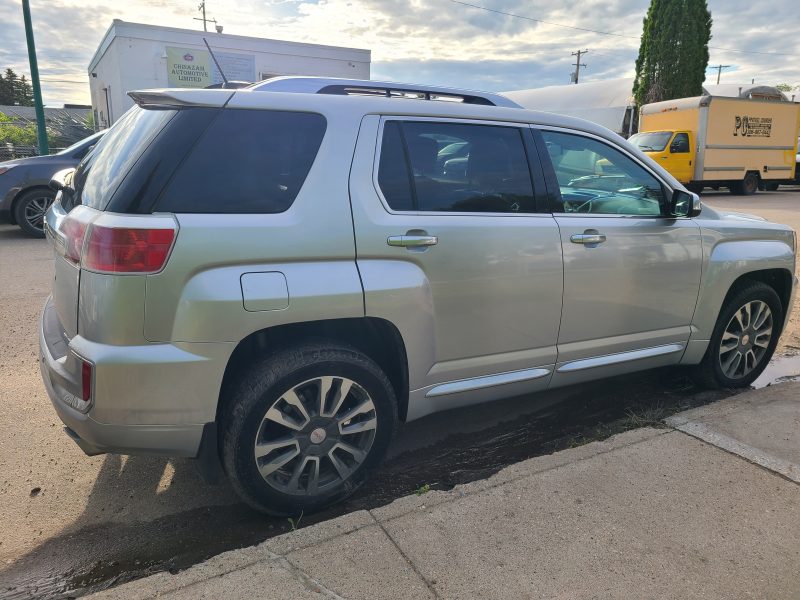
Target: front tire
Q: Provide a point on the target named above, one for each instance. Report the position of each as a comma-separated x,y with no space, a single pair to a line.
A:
30,208
744,338
303,428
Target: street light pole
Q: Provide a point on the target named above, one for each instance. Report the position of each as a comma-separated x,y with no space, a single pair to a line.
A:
41,128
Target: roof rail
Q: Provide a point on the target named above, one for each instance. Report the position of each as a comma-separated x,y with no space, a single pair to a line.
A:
385,89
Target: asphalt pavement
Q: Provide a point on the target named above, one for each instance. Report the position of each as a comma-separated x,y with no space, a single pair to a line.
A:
71,523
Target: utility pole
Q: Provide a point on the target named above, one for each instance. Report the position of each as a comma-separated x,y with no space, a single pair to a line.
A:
202,8
41,127
719,70
578,64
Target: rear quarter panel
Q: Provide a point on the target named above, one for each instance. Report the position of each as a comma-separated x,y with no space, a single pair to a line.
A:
198,296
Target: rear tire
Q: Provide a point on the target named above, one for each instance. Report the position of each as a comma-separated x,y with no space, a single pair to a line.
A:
287,447
30,208
739,349
747,187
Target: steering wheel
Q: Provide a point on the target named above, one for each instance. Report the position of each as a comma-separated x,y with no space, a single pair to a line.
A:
585,207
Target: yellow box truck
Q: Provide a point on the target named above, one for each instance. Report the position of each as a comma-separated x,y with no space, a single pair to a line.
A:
716,141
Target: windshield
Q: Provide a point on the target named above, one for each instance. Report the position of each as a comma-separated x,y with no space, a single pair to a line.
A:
87,141
98,177
653,141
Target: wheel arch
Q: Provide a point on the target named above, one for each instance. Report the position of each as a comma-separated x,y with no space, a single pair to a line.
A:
779,279
377,338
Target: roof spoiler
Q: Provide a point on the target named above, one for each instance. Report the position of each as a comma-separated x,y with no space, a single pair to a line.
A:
177,98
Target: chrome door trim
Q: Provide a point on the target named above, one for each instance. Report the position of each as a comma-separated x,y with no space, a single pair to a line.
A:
620,357
477,383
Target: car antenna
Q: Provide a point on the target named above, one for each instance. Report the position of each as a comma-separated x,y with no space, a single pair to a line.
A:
221,72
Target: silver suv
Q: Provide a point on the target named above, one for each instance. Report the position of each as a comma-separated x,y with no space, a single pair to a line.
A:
274,278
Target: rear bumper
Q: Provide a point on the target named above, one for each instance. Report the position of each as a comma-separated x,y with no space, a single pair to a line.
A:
125,379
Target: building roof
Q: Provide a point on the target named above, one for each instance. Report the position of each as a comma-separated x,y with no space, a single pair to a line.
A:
28,113
221,41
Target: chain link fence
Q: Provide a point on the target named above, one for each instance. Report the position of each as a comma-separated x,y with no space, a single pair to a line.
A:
12,151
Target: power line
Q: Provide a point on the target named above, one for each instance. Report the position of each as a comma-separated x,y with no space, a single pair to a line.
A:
508,14
620,35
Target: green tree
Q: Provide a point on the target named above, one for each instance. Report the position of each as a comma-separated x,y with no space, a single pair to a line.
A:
14,134
785,87
15,90
673,54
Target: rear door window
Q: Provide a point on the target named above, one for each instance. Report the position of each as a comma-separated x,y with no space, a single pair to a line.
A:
454,167
247,161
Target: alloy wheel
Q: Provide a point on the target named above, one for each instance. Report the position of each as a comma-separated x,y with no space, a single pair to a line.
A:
35,210
746,339
315,435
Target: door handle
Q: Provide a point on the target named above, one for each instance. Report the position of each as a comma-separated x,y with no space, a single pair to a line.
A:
412,241
588,238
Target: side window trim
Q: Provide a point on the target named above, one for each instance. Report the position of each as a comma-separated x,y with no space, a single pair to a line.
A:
521,127
553,200
554,190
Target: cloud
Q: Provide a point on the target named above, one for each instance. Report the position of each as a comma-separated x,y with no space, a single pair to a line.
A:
424,41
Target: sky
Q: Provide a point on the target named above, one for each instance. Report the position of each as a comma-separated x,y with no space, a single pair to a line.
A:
440,42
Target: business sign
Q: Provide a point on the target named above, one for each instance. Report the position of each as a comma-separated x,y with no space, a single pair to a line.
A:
187,67
752,126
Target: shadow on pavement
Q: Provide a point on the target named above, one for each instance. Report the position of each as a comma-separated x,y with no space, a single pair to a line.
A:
117,538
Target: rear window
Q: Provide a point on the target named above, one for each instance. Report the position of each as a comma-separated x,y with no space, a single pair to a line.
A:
247,161
115,154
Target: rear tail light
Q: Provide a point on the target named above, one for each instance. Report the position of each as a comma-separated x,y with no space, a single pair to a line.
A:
127,250
97,247
86,380
74,232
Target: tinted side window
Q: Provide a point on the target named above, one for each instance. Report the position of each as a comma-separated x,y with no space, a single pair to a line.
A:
596,178
248,161
459,168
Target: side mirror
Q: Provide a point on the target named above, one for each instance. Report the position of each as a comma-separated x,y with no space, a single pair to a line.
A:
685,204
59,181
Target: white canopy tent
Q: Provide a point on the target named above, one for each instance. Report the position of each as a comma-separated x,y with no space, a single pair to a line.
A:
610,103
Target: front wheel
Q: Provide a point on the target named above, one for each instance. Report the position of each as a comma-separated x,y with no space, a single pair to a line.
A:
304,427
744,338
30,208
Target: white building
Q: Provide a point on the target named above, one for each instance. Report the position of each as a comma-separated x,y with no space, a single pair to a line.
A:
133,56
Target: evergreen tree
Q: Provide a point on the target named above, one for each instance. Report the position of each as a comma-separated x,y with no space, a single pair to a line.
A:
24,92
673,54
15,90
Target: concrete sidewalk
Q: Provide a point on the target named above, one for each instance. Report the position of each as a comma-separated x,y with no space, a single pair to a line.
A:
709,508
